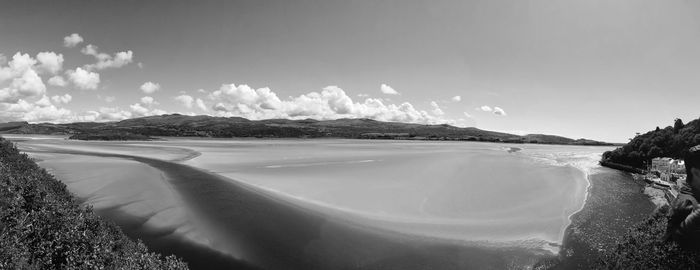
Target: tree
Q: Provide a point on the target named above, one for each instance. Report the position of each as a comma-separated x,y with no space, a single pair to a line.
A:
678,125
654,152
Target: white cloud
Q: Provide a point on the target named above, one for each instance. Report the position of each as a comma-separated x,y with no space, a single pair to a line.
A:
150,87
388,90
436,109
185,100
331,103
44,101
110,114
200,104
72,40
148,101
50,62
84,79
499,111
140,65
468,115
19,64
57,81
29,84
494,110
139,111
104,60
62,99
40,111
456,98
201,91
484,108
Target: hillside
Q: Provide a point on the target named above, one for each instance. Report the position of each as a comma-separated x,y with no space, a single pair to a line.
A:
671,141
44,227
228,127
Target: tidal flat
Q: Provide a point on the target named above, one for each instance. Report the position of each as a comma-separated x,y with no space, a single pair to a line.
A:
331,204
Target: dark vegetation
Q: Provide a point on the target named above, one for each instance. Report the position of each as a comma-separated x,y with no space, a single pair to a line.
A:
42,226
643,247
672,141
227,127
109,136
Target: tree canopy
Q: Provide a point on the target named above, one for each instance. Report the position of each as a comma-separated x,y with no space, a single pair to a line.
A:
672,141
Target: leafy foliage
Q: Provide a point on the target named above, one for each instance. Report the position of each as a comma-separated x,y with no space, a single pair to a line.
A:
672,141
643,247
42,226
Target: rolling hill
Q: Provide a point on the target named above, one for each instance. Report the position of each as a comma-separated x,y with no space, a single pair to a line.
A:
228,127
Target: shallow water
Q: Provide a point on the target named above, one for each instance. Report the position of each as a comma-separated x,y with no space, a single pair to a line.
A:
462,194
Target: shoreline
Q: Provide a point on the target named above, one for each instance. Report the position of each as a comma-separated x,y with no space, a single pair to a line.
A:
587,194
614,203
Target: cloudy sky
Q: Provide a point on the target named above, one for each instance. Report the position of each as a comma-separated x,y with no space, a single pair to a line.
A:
595,69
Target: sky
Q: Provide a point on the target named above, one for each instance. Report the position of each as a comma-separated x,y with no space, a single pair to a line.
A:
591,69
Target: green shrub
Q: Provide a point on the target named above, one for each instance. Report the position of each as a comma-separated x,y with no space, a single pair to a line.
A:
42,226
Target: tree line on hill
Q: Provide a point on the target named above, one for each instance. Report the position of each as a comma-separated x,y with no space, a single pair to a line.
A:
672,141
42,226
177,125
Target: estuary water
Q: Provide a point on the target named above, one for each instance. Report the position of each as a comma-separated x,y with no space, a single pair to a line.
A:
331,203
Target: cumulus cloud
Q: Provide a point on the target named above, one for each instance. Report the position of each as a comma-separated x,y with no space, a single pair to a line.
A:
57,81
148,101
200,104
44,101
485,108
150,87
62,99
499,111
185,100
104,60
436,108
39,111
137,110
388,90
24,80
331,103
72,40
84,79
19,64
456,98
50,62
494,110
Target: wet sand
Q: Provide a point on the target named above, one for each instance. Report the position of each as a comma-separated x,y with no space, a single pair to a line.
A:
274,234
160,193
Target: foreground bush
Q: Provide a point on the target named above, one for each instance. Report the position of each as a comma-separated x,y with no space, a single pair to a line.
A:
643,247
42,226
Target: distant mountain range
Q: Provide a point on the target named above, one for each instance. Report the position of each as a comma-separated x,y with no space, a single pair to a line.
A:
227,127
